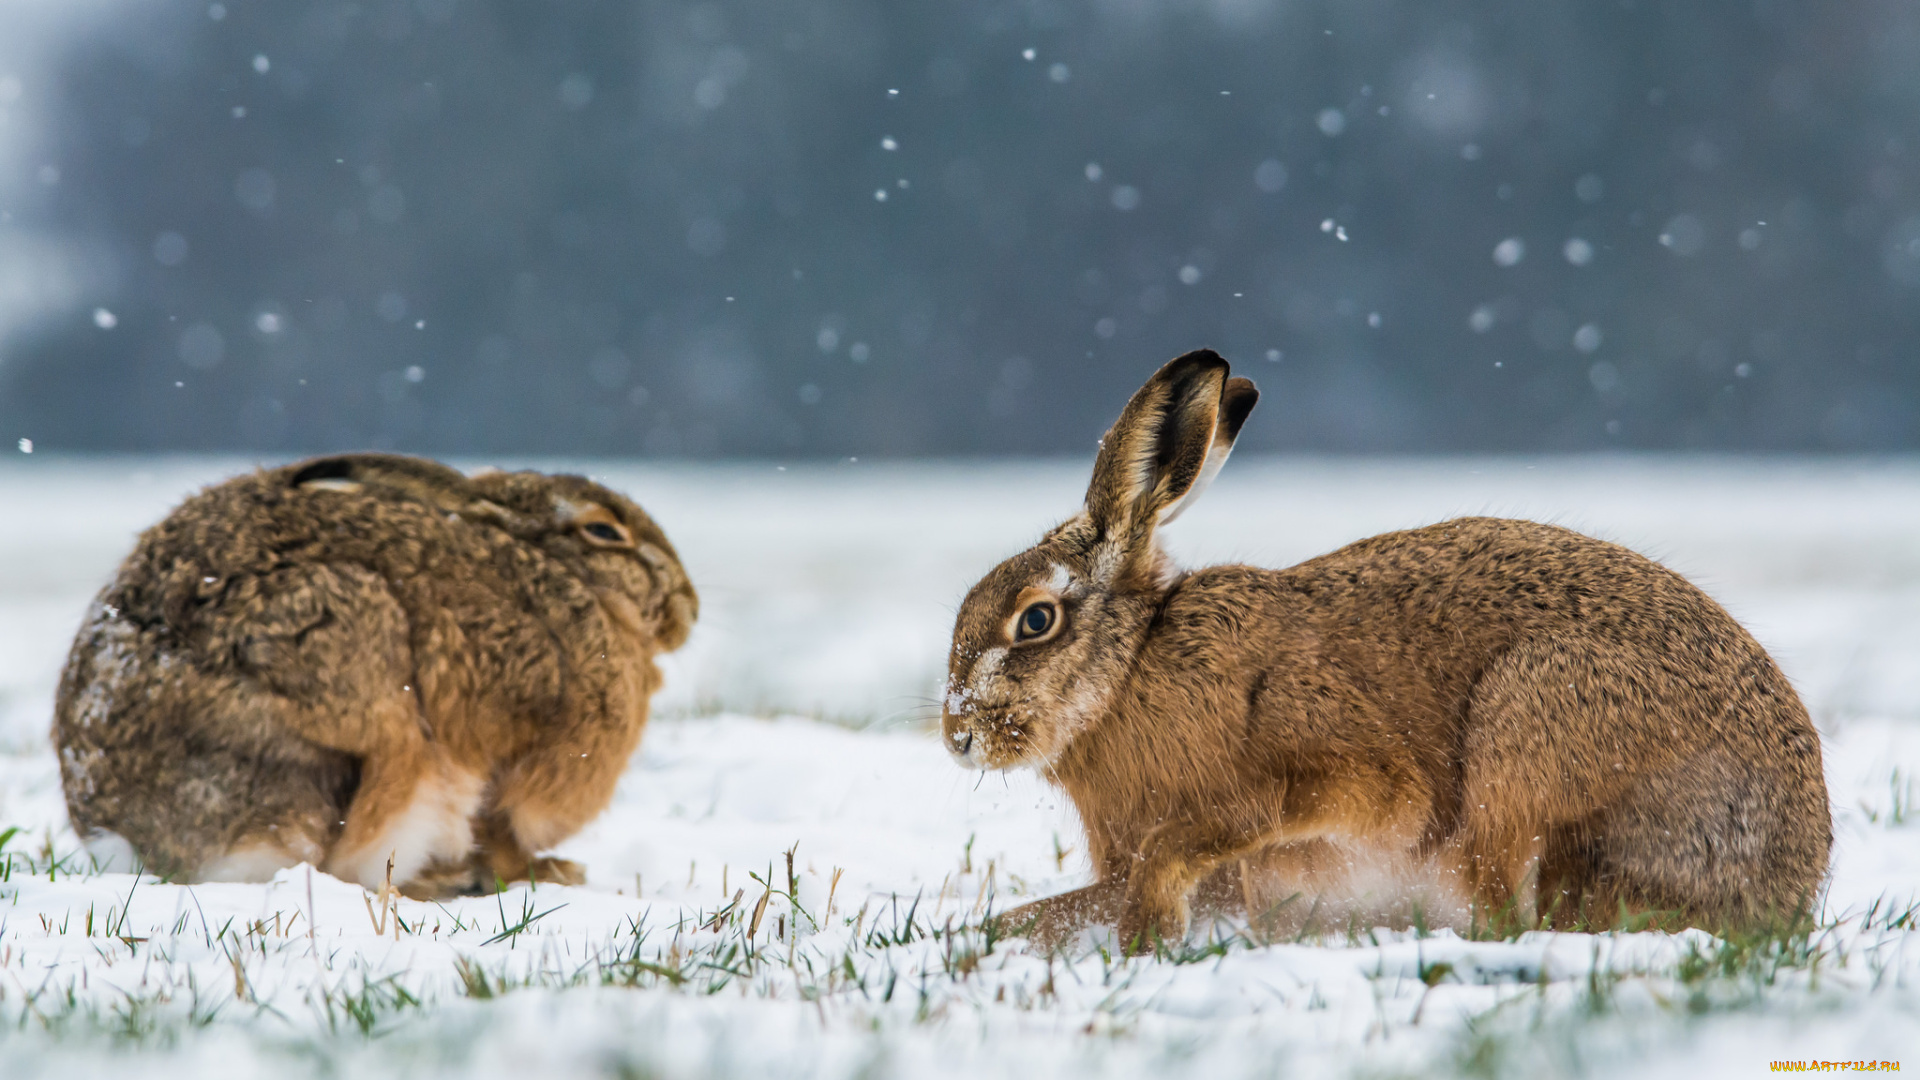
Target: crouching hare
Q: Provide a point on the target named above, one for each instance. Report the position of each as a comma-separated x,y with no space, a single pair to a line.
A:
1533,723
365,659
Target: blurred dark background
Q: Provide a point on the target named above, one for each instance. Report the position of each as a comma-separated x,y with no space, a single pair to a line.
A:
769,227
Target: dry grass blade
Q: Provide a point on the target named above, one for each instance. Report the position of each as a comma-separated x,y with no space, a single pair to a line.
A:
759,910
385,896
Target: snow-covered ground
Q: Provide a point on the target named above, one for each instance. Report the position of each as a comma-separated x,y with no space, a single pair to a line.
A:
795,722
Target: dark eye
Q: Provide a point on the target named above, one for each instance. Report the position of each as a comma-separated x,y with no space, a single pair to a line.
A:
1036,620
600,530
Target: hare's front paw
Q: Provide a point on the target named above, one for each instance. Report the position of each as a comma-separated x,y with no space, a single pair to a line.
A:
1048,923
446,880
547,870
504,861
1043,922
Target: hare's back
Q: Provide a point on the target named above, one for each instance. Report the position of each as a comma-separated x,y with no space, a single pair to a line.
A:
1539,645
239,621
251,525
1414,624
1491,581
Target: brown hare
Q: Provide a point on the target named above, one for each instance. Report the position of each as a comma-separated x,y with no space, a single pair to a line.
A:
1536,724
368,658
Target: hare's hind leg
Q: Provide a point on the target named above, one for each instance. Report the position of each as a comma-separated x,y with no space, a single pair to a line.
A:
1622,780
259,857
292,794
235,816
200,782
1555,732
1707,843
336,648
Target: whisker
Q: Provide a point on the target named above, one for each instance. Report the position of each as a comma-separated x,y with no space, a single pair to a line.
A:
904,716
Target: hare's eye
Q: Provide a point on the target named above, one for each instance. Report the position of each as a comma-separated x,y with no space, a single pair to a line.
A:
1036,620
600,530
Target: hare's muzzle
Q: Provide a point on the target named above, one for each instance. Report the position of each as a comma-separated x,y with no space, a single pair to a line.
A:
959,739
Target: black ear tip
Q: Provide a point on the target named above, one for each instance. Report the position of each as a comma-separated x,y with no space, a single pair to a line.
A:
1198,358
1185,374
1236,404
324,469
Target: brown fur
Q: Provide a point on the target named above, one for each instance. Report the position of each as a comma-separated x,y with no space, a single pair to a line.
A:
1536,723
295,660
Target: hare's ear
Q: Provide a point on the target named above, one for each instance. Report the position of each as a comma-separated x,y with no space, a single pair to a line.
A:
1167,445
326,474
389,476
1236,403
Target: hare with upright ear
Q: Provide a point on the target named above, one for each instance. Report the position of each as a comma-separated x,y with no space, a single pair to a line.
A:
372,663
1545,724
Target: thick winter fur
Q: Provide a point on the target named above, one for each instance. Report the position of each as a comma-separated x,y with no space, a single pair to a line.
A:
1496,719
369,658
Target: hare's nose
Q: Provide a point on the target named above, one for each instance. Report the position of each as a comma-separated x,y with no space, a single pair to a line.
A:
960,743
